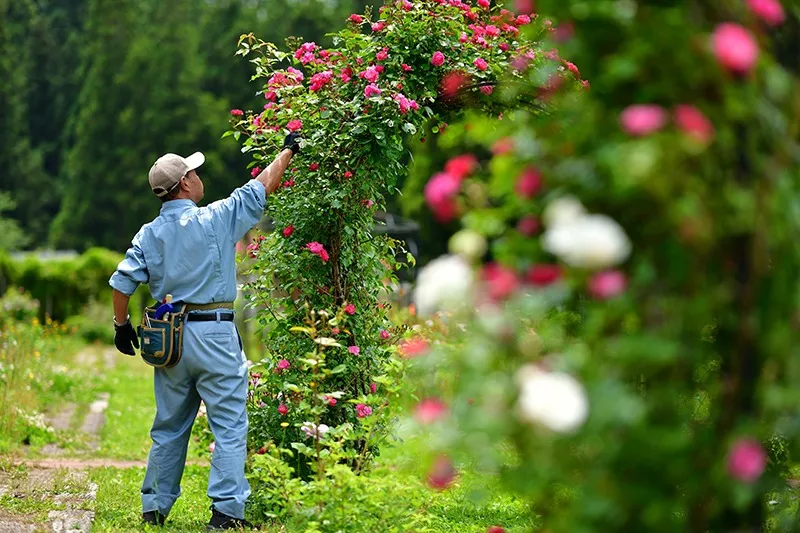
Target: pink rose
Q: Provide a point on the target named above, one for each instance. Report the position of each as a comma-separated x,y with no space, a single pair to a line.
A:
528,225
294,125
770,11
500,281
288,230
483,3
313,166
373,388
335,331
348,174
363,410
382,55
437,59
572,68
463,38
461,166
282,409
320,79
429,410
503,146
371,90
283,364
384,334
355,350
355,19
237,112
642,119
442,186
212,447
495,529
605,285
528,183
270,95
486,89
543,275
371,74
452,83
350,309
480,63
406,68
331,401
694,123
296,73
378,26
255,171
522,20
735,47
747,460
408,6
415,347
442,473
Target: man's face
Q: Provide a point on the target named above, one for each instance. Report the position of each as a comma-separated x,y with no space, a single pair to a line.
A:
195,186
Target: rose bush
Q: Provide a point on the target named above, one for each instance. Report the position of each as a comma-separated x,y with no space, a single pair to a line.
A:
630,323
387,77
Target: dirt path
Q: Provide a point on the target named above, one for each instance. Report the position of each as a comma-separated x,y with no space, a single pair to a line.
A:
57,488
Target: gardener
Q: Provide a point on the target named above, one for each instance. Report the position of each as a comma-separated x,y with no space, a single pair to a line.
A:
188,252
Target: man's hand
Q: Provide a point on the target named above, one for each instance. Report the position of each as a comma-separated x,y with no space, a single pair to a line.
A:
125,338
292,142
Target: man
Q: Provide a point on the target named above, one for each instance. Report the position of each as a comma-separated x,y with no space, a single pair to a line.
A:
189,252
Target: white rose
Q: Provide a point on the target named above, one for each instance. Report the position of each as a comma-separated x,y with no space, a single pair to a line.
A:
553,399
468,243
589,241
445,282
564,209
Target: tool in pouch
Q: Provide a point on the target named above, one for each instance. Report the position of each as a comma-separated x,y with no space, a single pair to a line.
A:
161,333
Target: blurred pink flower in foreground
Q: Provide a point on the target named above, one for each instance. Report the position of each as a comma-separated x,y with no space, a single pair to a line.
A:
642,119
442,473
500,281
747,460
528,183
528,225
363,410
413,347
608,284
735,47
212,447
495,529
429,410
770,11
694,123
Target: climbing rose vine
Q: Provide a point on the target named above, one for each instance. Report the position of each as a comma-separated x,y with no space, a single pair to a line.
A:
387,78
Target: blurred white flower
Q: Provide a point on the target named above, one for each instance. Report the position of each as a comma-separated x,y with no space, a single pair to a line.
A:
553,399
468,243
444,283
589,241
564,209
312,430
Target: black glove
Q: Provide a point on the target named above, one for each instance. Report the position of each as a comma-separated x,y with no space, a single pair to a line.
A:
292,142
125,338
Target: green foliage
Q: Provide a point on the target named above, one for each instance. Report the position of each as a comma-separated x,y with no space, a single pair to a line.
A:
323,254
693,351
64,287
17,305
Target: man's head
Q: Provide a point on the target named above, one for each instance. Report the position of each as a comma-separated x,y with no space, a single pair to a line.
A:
173,177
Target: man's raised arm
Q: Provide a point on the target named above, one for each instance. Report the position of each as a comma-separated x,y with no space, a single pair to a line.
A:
272,175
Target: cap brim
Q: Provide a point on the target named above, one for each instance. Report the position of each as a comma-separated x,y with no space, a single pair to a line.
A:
194,161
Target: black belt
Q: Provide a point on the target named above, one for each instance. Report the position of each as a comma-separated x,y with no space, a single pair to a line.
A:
209,317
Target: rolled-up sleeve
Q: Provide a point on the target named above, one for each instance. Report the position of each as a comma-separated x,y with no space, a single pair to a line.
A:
239,212
131,271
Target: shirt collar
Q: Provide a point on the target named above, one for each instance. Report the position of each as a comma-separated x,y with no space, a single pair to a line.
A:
176,205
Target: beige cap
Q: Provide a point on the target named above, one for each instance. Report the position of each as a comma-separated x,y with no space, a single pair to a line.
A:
168,170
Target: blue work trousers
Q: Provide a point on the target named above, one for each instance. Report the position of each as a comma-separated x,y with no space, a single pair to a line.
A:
213,368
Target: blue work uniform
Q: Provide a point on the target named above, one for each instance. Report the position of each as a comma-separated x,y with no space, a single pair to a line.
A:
189,252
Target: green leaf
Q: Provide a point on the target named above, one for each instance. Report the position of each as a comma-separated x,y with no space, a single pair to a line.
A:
339,369
327,341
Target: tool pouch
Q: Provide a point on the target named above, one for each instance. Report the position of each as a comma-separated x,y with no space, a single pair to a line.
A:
161,340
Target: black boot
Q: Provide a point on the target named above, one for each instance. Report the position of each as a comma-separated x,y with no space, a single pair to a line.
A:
153,517
223,521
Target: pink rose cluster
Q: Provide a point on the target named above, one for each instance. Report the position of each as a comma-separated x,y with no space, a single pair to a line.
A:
644,119
318,250
363,410
305,54
441,190
320,80
405,103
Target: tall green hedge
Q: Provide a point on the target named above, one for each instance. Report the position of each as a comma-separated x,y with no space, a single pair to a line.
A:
64,287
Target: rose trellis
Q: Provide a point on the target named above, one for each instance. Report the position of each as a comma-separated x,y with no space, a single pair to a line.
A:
387,78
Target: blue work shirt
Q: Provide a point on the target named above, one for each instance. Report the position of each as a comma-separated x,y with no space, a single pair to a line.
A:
190,251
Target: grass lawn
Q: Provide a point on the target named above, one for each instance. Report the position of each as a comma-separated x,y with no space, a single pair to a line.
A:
472,505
